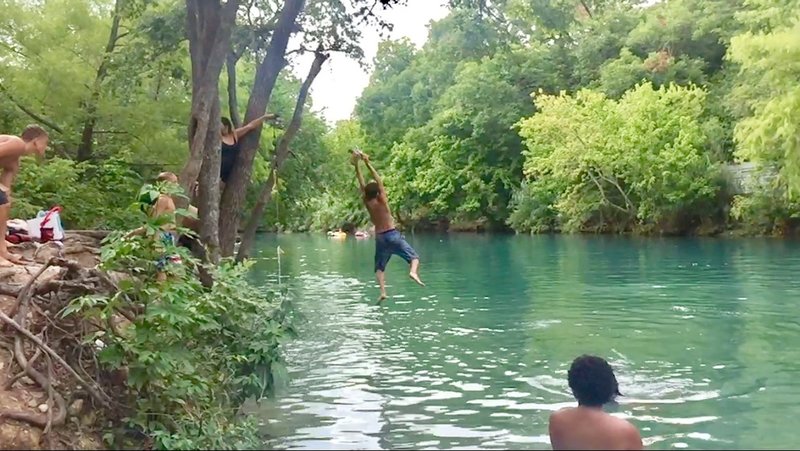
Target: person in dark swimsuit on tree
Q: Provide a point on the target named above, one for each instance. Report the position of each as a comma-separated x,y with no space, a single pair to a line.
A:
230,143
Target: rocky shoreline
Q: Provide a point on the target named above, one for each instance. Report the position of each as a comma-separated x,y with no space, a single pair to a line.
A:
52,393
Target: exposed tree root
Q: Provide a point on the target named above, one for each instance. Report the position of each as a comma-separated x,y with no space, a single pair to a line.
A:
32,313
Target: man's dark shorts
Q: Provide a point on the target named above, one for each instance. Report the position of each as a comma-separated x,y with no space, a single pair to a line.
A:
3,198
388,243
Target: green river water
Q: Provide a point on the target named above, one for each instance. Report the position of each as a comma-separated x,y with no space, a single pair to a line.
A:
704,336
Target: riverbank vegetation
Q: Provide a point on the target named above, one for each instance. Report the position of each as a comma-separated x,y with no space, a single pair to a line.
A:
600,116
106,355
502,119
594,116
102,350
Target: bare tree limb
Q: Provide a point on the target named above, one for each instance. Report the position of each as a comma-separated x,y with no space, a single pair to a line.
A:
586,8
281,153
38,118
26,291
233,100
603,193
628,202
97,394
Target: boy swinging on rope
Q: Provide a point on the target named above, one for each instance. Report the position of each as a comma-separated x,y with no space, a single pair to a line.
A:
388,240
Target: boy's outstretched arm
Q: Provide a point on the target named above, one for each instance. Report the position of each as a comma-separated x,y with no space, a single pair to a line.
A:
375,175
360,177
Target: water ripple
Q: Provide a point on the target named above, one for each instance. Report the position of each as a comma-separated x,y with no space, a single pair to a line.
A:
701,334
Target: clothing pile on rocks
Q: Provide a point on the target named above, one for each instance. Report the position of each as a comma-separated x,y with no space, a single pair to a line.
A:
44,228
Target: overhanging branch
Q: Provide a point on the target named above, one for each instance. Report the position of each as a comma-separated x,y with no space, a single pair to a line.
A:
282,152
38,118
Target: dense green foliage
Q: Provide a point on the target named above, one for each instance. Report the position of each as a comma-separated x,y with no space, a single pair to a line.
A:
768,100
192,355
453,124
49,74
605,165
93,196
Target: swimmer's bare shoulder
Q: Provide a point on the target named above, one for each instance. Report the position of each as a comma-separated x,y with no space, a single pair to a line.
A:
559,428
571,429
627,435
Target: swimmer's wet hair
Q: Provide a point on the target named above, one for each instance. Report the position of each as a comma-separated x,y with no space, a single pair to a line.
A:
592,381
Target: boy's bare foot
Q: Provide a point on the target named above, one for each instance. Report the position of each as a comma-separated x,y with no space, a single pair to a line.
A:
10,258
382,297
6,263
19,258
415,277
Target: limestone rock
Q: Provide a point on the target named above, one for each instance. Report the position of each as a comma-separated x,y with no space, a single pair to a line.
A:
16,436
88,419
76,407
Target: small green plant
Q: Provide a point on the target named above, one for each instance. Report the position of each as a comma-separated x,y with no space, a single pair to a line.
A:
93,196
192,355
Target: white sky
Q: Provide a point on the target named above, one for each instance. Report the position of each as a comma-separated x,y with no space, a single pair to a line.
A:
342,80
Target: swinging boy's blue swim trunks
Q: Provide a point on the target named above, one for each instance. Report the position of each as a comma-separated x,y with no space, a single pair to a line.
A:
391,242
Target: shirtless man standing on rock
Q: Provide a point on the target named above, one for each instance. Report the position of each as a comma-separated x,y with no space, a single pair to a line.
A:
388,240
33,141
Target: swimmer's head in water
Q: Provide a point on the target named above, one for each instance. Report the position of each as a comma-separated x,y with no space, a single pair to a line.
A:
371,190
227,126
592,381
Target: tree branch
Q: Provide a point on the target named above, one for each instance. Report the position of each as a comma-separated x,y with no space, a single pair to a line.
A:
628,202
97,395
603,193
233,100
50,124
11,48
586,8
266,76
281,153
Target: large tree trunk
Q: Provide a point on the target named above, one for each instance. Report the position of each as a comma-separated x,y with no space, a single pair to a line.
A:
87,135
208,187
281,153
209,25
266,76
233,100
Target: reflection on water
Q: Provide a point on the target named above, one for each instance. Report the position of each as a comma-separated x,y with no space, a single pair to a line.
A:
703,335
